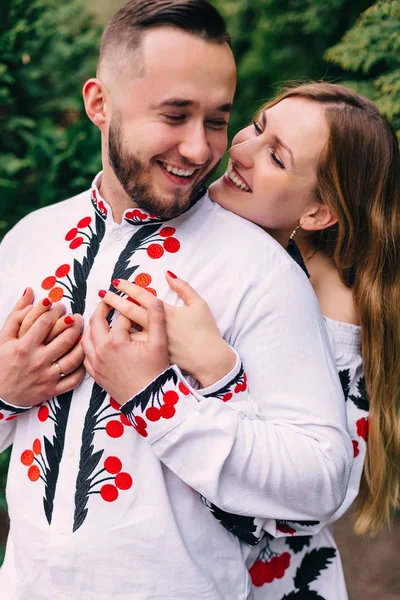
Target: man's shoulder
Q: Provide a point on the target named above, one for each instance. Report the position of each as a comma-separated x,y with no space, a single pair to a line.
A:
48,215
239,238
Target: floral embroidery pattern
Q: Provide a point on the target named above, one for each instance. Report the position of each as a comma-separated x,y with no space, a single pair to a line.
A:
243,527
269,566
121,480
310,569
98,205
67,283
13,412
154,403
139,217
90,459
28,457
56,293
235,386
56,410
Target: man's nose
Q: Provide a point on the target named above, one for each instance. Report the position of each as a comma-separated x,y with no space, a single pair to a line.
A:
195,147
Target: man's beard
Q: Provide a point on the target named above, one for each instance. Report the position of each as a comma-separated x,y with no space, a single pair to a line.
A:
135,179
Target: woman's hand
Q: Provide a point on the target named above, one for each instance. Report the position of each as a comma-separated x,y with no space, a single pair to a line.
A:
194,341
29,373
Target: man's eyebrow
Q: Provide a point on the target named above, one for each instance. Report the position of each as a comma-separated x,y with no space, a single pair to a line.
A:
186,103
276,139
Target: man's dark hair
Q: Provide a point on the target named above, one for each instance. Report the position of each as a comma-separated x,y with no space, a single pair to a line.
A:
197,17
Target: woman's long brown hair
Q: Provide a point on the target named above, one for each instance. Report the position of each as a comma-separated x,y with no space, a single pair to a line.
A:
358,177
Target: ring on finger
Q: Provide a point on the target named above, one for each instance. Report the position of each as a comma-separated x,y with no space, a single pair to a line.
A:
60,371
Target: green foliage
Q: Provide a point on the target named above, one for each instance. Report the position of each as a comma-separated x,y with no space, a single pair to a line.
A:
371,49
279,40
48,148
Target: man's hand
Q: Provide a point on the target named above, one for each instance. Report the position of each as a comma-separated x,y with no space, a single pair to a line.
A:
28,374
120,361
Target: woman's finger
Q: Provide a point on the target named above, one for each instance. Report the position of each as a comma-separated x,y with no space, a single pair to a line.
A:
183,289
25,300
136,292
126,307
62,324
33,315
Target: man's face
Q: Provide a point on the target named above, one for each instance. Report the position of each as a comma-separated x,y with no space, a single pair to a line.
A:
168,127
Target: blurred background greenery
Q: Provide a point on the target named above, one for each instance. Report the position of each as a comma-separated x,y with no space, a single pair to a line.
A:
49,150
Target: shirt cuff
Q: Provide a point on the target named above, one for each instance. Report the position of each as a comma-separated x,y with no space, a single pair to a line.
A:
8,412
162,405
226,382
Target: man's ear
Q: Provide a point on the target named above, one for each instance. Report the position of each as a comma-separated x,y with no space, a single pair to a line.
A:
320,216
94,97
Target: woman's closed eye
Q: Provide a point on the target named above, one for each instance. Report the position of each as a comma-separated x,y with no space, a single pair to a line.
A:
274,158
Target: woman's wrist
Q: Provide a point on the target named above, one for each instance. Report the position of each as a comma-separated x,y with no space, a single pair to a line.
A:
218,362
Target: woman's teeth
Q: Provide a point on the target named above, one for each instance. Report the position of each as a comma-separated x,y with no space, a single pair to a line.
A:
176,171
239,183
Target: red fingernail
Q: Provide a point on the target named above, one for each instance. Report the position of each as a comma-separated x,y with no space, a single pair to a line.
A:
46,302
68,320
171,274
102,293
25,290
115,282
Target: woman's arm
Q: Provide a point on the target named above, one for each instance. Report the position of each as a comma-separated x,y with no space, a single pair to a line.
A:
282,453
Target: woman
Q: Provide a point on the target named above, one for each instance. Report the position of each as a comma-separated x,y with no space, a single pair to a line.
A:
321,164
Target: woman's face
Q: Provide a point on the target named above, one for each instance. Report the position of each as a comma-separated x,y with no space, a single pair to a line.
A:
271,174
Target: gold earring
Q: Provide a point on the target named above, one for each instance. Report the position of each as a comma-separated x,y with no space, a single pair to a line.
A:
291,237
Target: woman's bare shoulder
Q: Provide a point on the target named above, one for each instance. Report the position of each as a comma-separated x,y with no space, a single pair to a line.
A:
335,298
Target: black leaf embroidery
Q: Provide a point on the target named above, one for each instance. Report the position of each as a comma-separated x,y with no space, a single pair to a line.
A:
311,566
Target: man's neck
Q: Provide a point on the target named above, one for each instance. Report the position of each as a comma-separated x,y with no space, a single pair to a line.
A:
113,193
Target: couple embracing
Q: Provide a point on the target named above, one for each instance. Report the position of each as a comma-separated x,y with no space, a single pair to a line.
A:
199,437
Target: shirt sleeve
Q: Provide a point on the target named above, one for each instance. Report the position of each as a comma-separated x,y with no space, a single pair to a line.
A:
283,453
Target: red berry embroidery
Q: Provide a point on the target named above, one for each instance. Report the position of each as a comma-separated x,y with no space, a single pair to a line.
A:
62,271
171,245
123,481
43,413
356,450
285,529
113,465
125,421
227,397
170,398
183,389
143,280
27,458
153,414
56,294
114,429
362,428
155,251
141,426
33,473
72,233
167,231
85,222
37,447
1,416
49,282
115,404
109,492
167,411
257,573
76,243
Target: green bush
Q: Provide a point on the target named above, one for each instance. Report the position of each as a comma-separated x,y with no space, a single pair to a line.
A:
48,149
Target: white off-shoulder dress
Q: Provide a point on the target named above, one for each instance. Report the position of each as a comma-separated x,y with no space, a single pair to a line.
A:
304,563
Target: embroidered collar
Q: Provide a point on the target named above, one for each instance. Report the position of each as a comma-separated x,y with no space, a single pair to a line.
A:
132,216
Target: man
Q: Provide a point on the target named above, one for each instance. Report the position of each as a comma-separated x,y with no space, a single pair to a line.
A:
98,511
